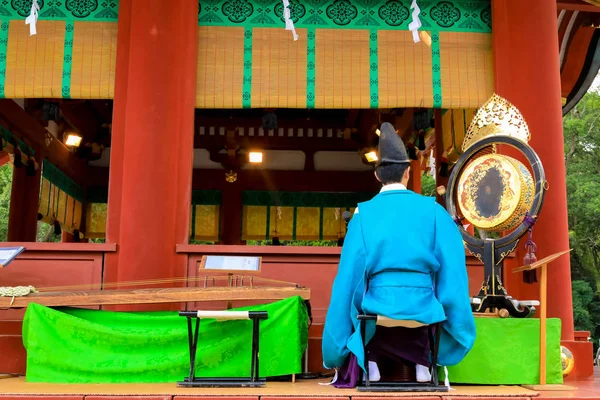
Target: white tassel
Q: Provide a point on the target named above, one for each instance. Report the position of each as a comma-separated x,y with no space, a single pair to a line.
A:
289,24
447,379
334,380
416,22
33,17
431,164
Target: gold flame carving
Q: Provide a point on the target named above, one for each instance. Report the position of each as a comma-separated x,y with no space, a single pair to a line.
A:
496,117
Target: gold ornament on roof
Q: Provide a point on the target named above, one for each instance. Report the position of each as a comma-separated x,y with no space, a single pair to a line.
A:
496,117
230,176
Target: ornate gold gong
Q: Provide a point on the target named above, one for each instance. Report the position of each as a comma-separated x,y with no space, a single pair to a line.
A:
495,192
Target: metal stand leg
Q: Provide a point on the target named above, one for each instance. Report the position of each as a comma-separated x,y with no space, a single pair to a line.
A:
193,345
363,333
254,379
431,386
255,348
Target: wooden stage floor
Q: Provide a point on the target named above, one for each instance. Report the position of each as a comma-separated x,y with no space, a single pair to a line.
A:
16,388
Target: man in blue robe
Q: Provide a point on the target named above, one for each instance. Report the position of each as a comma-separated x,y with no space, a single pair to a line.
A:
403,258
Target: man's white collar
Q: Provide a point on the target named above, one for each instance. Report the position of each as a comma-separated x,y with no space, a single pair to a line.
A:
387,188
392,186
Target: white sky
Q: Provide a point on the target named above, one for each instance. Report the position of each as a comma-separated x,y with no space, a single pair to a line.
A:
595,85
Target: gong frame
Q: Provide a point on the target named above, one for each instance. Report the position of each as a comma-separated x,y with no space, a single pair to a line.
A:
492,252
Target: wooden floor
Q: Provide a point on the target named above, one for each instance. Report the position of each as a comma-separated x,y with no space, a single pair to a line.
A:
300,389
17,389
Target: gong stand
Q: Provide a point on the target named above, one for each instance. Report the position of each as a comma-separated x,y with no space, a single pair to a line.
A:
492,252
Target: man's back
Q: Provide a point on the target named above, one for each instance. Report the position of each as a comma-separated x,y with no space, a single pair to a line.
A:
398,228
399,232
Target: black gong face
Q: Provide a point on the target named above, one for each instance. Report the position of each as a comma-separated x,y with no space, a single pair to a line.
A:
489,194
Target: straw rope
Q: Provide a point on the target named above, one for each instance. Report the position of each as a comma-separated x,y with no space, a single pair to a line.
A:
16,291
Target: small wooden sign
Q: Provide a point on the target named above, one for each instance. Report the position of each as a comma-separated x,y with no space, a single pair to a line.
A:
231,264
8,254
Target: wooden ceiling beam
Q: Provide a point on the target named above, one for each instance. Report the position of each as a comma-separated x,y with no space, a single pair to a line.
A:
276,143
81,116
368,122
576,5
300,181
104,108
27,128
256,123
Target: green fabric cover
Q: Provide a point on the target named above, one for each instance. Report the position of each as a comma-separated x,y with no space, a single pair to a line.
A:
507,352
89,346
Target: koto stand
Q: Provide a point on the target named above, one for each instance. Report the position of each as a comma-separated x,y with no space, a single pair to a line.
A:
542,265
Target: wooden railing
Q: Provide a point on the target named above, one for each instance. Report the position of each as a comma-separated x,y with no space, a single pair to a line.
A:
44,265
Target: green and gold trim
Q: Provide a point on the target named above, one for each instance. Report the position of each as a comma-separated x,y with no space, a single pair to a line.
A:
68,60
311,51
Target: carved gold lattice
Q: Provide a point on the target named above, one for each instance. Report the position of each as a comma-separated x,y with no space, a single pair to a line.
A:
496,117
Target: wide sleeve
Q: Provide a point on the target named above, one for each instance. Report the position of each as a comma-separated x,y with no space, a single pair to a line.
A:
338,323
452,290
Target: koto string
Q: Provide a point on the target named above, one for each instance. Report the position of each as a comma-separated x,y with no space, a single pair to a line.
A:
151,282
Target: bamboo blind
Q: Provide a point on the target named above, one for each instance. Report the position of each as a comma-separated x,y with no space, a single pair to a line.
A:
204,224
293,223
263,67
64,60
57,204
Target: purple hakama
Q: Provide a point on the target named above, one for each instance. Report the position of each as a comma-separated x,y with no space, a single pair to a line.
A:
393,349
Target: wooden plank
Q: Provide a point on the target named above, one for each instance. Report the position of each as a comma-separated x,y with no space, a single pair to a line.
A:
542,262
152,296
543,293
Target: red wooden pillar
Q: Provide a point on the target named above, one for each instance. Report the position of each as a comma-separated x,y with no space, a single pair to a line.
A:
415,176
439,154
24,201
152,139
231,215
525,37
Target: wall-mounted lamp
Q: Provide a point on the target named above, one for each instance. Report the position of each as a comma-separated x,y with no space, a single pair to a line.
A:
377,132
255,157
73,140
371,156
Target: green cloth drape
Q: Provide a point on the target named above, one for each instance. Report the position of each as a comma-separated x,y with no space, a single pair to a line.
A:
507,352
89,346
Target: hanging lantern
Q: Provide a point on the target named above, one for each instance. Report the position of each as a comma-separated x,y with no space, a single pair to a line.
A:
412,151
421,120
57,229
420,141
270,121
444,168
30,171
17,162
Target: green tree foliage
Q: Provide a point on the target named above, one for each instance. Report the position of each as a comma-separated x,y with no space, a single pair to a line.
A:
427,185
583,306
5,186
582,161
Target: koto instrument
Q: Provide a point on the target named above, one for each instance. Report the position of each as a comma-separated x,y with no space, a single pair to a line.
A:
111,294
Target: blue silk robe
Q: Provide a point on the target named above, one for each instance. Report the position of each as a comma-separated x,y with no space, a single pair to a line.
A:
403,258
